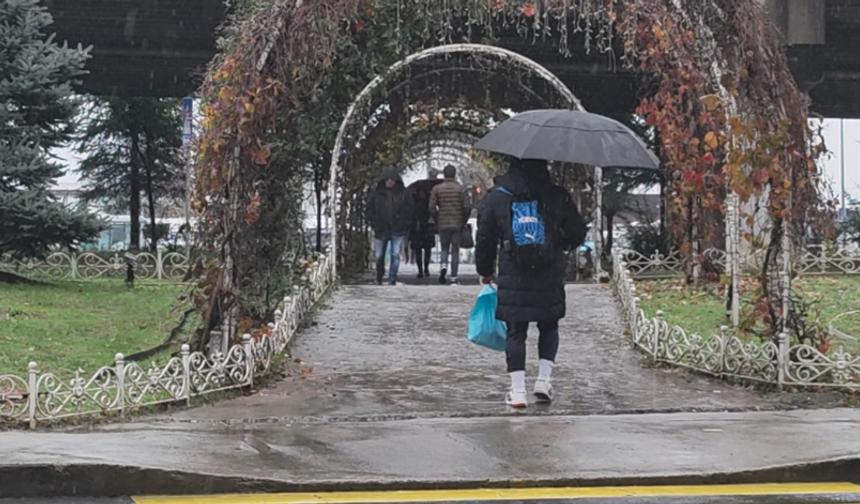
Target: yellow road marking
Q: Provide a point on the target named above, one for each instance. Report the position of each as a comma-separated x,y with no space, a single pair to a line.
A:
487,494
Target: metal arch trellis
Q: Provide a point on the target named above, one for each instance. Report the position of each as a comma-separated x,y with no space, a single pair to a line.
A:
451,146
486,72
362,97
466,115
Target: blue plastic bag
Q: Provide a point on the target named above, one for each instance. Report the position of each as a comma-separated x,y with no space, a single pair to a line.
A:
484,329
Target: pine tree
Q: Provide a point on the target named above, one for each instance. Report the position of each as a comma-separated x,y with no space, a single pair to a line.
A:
132,147
37,112
619,184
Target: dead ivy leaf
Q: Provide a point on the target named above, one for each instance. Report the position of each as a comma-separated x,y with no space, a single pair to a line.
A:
711,140
712,102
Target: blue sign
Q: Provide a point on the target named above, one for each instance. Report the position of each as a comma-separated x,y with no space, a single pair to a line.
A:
187,119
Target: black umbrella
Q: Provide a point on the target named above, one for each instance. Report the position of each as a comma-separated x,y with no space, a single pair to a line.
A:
424,185
569,136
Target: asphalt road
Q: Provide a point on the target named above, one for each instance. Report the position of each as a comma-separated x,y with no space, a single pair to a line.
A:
787,493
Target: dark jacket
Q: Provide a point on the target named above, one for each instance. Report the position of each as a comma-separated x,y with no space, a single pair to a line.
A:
422,235
484,200
533,296
448,202
390,211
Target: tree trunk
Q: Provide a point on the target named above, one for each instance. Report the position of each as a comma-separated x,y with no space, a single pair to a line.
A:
134,196
153,236
318,189
663,196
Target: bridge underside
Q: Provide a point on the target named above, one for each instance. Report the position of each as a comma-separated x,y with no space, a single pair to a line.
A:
161,48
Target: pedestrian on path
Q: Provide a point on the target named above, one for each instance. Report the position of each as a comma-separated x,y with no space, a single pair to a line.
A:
535,222
495,186
448,203
390,212
422,236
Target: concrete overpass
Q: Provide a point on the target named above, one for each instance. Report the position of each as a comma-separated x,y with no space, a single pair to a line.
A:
161,47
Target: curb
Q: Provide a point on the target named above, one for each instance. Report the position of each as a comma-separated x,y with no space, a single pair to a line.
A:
116,481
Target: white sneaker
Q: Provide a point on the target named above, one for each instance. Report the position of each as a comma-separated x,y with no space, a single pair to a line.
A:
516,399
543,391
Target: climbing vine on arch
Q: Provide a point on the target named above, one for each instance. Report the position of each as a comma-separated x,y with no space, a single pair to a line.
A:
288,70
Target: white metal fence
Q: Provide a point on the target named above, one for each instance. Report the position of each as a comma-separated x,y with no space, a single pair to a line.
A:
810,261
40,395
724,355
160,265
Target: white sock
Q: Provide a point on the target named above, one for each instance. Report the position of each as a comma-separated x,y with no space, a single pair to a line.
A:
518,381
545,369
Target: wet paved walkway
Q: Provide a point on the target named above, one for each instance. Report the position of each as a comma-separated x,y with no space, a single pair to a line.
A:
398,352
385,392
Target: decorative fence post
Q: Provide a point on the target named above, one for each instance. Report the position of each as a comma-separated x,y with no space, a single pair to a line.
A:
249,357
635,318
159,263
782,359
823,260
186,373
120,382
724,345
32,393
289,316
73,265
658,323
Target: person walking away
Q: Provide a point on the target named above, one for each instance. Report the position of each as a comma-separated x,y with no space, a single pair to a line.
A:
422,236
448,203
390,214
535,222
483,201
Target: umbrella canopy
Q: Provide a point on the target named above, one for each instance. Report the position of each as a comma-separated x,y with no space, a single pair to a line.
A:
569,136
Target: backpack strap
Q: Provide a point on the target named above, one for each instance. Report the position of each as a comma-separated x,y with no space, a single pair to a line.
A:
505,191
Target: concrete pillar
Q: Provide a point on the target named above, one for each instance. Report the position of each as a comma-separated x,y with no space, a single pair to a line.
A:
801,21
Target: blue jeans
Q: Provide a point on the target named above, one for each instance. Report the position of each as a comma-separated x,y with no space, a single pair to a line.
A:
396,243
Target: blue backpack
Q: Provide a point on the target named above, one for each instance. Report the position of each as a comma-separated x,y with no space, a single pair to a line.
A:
530,245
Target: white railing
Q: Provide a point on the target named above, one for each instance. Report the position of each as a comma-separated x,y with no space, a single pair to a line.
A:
160,265
40,396
810,261
724,355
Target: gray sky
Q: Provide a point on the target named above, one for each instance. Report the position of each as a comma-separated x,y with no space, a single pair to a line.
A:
832,162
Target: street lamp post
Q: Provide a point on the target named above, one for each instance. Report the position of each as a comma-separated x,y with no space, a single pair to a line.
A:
187,133
842,162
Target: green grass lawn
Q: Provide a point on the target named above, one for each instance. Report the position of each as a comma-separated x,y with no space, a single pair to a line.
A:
702,310
69,325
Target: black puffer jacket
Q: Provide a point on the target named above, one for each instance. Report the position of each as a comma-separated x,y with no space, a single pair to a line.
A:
422,235
528,297
390,212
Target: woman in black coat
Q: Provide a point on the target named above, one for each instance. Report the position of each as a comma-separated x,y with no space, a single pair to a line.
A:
422,235
528,294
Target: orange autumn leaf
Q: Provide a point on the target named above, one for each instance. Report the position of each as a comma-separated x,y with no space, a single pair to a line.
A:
711,140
